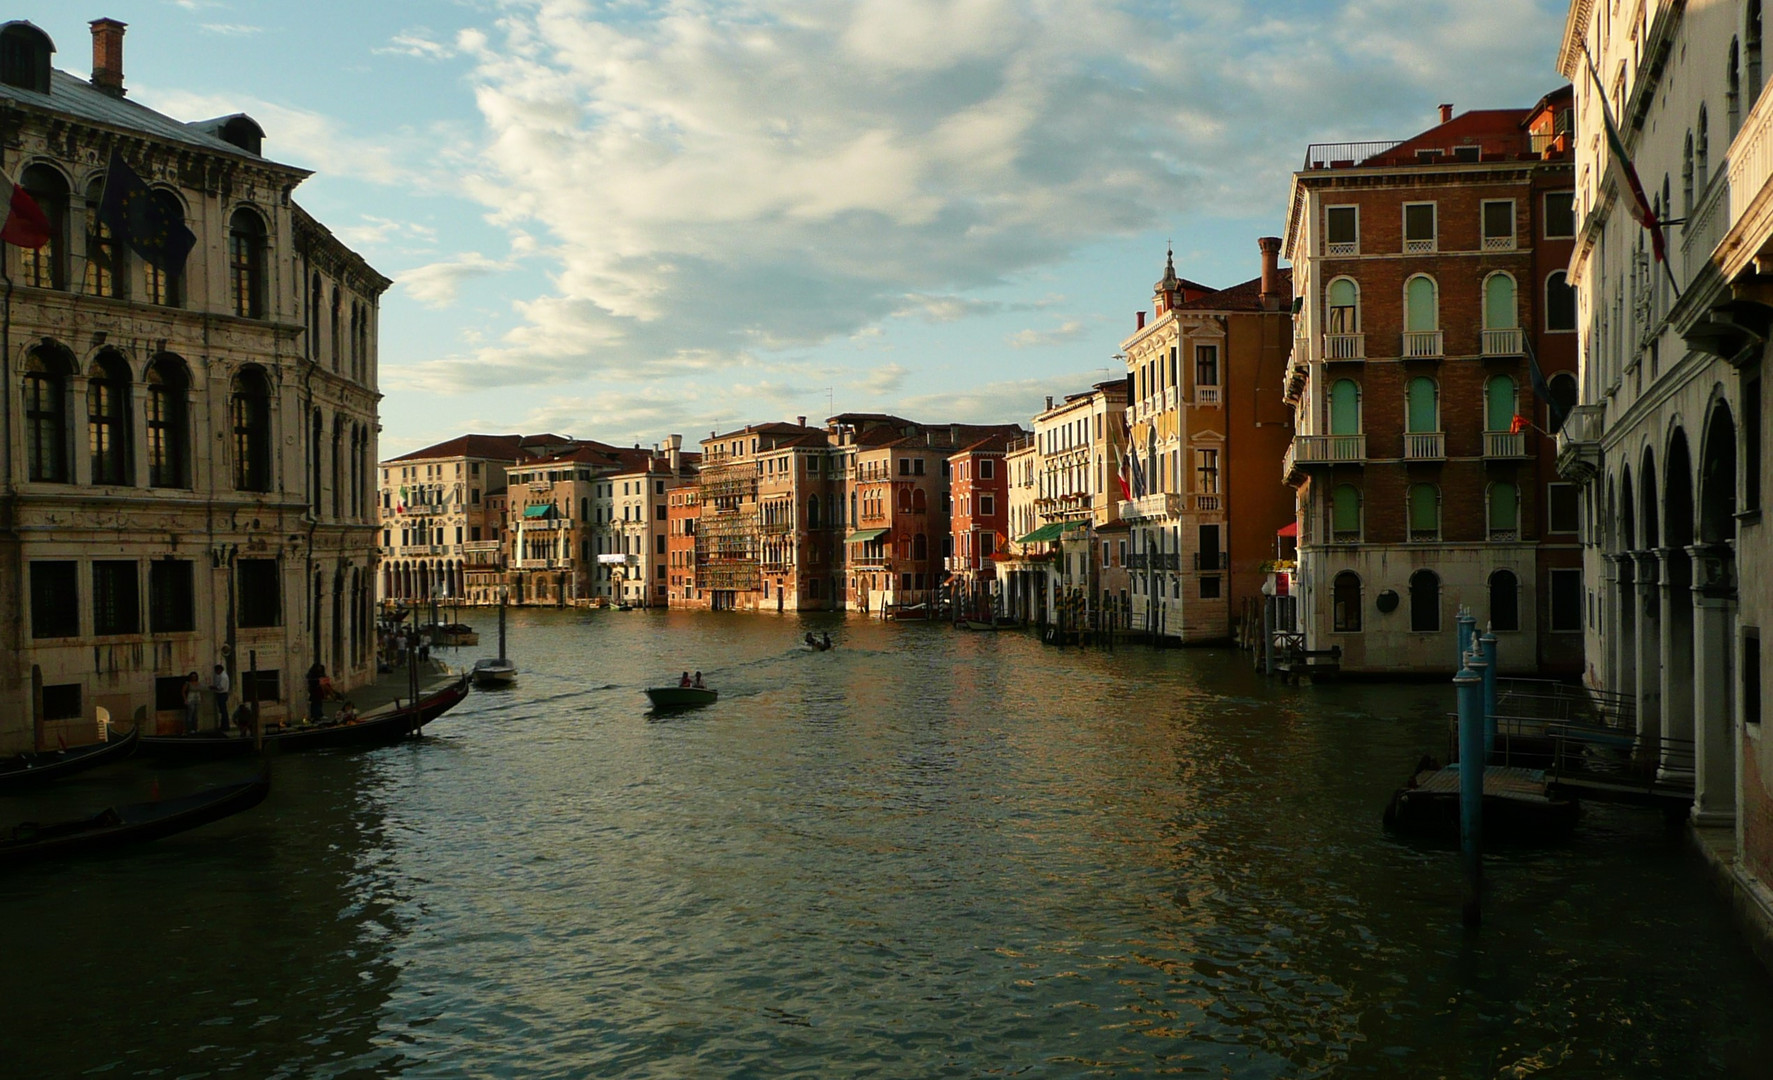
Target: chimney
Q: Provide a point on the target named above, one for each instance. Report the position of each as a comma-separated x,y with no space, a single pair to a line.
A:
674,451
1270,247
800,421
1049,403
1140,315
107,55
1446,111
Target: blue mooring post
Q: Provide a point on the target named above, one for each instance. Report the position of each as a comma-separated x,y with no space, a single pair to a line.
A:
1487,643
1466,623
1470,687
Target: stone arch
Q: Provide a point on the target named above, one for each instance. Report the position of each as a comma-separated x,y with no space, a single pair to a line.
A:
1717,476
1649,531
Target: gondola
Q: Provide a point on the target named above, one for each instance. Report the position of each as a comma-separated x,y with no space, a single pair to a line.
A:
28,770
371,731
975,624
131,823
681,697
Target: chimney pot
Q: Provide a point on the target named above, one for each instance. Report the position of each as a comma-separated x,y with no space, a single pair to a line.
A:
1140,315
1446,111
1049,403
107,55
800,421
1270,247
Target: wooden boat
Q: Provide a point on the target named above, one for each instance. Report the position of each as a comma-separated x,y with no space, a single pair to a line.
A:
131,823
974,624
380,730
681,697
451,634
26,770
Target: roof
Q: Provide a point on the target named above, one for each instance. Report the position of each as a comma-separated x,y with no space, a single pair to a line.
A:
989,444
491,447
1245,296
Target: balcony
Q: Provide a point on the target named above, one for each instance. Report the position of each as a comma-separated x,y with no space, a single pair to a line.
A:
1422,345
1579,444
871,561
1502,342
1419,246
1161,505
1154,560
1329,449
1345,346
1499,243
1206,396
1425,446
1208,503
1505,444
1211,560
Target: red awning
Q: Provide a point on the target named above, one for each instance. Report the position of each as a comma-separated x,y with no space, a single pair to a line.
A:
1291,528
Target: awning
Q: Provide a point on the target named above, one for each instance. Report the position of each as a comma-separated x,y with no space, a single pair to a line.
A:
1049,531
1291,528
862,536
539,510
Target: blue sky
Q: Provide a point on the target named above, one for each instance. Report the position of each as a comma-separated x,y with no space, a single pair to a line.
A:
619,219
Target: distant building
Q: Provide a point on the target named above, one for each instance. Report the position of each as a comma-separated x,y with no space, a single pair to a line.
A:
979,525
1079,442
635,567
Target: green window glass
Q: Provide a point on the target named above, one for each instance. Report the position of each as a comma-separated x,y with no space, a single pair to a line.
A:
1499,403
1345,516
1419,305
1420,412
1505,510
1425,509
1345,408
1499,312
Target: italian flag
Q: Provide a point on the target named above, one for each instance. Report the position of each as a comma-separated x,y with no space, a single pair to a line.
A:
26,226
1624,175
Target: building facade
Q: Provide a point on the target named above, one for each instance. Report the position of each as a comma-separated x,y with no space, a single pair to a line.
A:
189,469
979,525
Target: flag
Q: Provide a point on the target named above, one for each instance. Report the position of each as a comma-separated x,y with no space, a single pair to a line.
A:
400,503
1121,474
27,225
1624,175
1517,425
153,228
1542,388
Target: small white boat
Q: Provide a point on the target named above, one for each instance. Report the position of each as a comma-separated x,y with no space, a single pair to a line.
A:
493,671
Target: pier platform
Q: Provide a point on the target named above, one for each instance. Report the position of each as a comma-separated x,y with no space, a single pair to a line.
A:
1521,806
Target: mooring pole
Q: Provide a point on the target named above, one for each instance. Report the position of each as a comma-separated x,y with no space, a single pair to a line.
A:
1466,623
1470,688
1487,645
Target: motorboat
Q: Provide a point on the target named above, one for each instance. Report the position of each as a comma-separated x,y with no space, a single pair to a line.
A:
681,697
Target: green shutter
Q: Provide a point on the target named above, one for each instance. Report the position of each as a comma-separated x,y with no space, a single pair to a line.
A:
1424,508
1499,403
1419,305
1346,515
1345,408
1499,311
1505,510
1421,418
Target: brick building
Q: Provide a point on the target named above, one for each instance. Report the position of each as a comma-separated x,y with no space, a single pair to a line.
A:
1429,270
980,523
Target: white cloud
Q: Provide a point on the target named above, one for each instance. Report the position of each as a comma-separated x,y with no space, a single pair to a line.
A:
232,29
416,43
1031,338
437,284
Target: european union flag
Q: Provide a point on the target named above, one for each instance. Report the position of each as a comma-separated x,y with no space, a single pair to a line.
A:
153,228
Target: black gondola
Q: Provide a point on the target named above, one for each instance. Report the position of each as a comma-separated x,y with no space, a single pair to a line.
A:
372,731
131,823
29,770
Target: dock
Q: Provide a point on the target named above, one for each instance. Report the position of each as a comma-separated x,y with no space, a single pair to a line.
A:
1521,806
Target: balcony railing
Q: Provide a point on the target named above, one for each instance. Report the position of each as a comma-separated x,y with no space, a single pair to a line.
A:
1208,503
1207,560
1502,342
1504,536
1339,248
1421,246
1422,344
1505,444
1579,443
1154,560
1206,395
1499,243
1425,445
1345,346
1329,449
1161,505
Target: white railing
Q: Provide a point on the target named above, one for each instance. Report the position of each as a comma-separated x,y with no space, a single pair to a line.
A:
1505,444
1329,449
1342,247
1207,503
1418,247
1345,346
1161,505
1499,243
1422,344
1425,445
1583,425
1206,395
1750,168
1704,229
1502,342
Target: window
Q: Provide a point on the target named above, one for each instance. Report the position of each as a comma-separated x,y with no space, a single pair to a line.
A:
169,693
1421,305
660,545
1419,227
1209,586
1499,303
1733,89
904,466
55,612
46,416
1499,404
107,419
1752,40
116,599
1425,602
1206,472
1345,603
24,60
167,426
1563,513
1345,407
1504,511
261,594
1422,406
47,267
106,274
62,702
1560,215
166,288
1342,230
1206,365
1563,399
1560,303
1751,675
246,263
172,606
1425,513
917,467
1344,304
987,469
1498,224
1566,600
1505,601
1345,514
1752,441
268,687
250,414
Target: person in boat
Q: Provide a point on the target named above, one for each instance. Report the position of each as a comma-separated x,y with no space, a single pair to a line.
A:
809,640
698,683
348,713
826,639
685,681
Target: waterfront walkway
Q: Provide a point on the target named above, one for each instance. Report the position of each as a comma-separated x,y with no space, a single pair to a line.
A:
391,690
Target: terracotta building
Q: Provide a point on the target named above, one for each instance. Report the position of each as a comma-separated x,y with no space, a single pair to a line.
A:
1430,271
190,477
730,539
979,526
683,510
635,564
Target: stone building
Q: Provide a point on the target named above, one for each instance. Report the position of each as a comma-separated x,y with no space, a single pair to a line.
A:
1669,441
683,509
636,563
1431,272
559,523
1079,443
189,465
731,544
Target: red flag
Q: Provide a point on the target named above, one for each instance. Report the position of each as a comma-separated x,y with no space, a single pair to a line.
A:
26,225
1120,475
1517,425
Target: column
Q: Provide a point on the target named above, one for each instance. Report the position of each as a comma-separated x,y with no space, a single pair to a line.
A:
1676,666
1714,621
1645,682
1624,615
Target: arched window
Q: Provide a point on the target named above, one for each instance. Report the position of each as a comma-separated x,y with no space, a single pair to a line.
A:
1345,603
1505,601
316,437
1701,152
1345,407
1563,400
1687,177
1422,414
1560,302
904,500
250,414
106,274
1752,39
166,288
1733,89
335,342
338,473
1345,514
246,263
1425,513
314,295
1421,304
1499,403
1504,511
168,428
1499,303
812,511
919,503
47,267
46,416
1425,602
107,419
1345,307
920,547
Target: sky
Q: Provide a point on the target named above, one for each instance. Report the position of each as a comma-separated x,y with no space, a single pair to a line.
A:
616,219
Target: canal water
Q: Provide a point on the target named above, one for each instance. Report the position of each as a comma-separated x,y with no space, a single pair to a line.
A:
924,853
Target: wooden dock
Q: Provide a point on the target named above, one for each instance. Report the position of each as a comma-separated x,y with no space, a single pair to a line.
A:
1521,806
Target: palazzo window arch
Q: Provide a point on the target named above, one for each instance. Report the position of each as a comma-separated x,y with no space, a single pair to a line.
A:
335,342
1425,602
1422,406
246,263
107,272
1344,300
1421,304
249,412
1500,310
1563,400
1733,90
1345,514
46,267
107,420
1687,177
1500,398
47,379
1505,600
1701,152
1503,507
1560,302
1752,40
1425,513
1345,407
169,384
1345,603
165,287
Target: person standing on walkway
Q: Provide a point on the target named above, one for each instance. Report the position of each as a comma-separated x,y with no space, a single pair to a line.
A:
193,702
316,692
220,686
